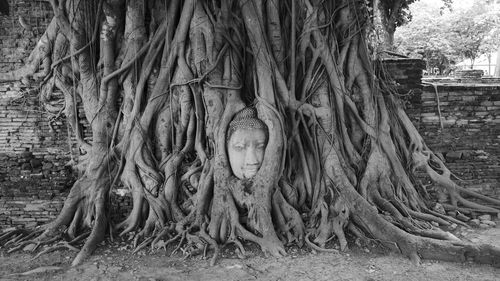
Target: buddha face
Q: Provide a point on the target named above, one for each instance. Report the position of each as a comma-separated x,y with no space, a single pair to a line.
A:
246,151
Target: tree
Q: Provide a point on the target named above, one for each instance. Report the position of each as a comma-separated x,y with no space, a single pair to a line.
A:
425,37
445,37
391,14
160,84
470,31
497,67
492,41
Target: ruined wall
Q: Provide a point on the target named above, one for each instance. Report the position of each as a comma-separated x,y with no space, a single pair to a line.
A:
406,75
467,133
458,117
33,157
34,145
16,42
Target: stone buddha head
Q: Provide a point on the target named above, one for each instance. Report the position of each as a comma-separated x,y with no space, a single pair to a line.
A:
246,143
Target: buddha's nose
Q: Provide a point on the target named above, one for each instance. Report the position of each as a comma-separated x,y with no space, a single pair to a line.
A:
251,157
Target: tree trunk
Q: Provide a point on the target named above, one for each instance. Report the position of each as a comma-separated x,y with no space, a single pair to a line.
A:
160,84
385,14
497,65
389,28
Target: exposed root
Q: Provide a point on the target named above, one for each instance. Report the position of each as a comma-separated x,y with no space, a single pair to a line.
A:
458,252
288,220
23,242
165,232
15,238
426,159
143,245
42,269
8,234
58,246
204,235
436,214
317,248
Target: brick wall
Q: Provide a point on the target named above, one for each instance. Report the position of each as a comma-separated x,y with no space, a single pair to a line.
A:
16,42
33,177
469,138
468,132
32,160
406,74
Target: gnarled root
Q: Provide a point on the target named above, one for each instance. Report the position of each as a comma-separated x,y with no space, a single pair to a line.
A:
330,219
225,226
288,220
426,160
83,209
415,247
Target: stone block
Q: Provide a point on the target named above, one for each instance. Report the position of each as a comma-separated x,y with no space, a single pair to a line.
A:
469,98
453,155
474,222
489,223
485,217
35,163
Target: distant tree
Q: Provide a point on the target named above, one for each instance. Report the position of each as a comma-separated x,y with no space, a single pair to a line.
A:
497,67
496,34
423,37
490,45
393,13
444,36
471,32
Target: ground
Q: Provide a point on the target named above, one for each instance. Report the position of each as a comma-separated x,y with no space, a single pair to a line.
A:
114,261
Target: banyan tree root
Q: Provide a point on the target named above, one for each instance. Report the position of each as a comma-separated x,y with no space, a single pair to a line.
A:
160,82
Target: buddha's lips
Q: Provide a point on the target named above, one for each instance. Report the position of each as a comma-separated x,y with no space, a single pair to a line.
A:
250,170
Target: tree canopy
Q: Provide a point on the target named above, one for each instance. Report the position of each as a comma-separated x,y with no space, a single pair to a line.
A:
446,37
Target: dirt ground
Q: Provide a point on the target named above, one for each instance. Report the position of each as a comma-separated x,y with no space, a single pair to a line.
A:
114,261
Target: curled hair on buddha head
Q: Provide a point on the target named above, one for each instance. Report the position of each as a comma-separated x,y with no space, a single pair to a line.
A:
246,119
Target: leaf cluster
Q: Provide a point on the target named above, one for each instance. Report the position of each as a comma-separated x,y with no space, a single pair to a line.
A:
443,37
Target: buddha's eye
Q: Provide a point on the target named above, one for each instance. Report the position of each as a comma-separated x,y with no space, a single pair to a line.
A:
261,146
239,147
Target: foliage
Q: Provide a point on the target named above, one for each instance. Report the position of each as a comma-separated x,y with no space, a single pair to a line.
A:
390,14
474,31
397,11
422,38
444,37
